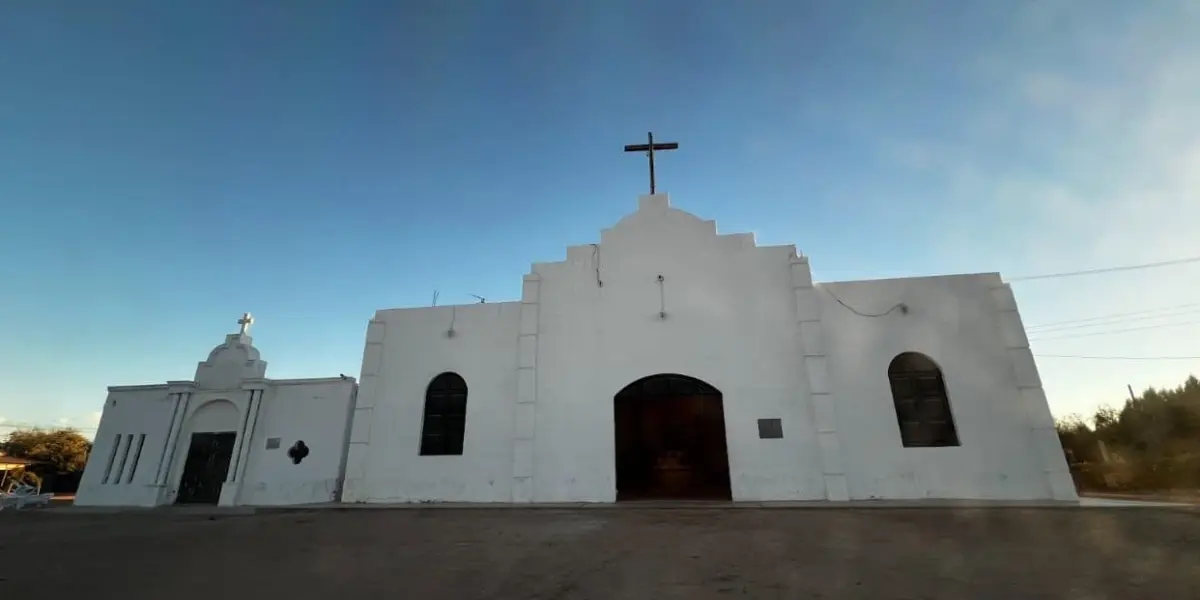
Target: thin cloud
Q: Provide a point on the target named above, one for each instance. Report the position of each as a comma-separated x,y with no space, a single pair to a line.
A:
1076,164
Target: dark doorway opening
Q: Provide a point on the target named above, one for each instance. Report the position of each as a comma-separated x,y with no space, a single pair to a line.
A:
205,468
670,440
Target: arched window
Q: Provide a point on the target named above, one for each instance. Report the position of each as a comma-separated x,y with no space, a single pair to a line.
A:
922,407
445,416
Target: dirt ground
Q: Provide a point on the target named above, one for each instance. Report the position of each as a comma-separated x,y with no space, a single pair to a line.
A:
608,554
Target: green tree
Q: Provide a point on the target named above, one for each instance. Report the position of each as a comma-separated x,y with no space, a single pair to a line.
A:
1152,441
63,450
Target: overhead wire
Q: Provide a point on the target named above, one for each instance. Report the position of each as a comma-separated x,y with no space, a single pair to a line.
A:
1117,357
1094,333
897,306
1116,316
1035,331
1068,327
1153,265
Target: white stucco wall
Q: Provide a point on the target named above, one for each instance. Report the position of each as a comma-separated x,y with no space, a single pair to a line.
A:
315,411
542,373
729,315
748,320
405,350
128,413
954,321
229,394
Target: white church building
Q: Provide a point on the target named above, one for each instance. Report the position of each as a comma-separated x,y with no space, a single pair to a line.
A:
665,361
230,436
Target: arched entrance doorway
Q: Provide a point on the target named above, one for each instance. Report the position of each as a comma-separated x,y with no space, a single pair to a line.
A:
670,440
213,433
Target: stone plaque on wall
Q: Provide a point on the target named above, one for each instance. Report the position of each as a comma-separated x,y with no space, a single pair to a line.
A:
770,429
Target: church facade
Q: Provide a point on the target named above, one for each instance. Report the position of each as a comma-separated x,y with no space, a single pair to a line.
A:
668,360
664,361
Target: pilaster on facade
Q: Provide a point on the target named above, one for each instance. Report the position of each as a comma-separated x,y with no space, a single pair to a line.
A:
816,370
239,440
370,383
525,408
254,389
180,393
1032,397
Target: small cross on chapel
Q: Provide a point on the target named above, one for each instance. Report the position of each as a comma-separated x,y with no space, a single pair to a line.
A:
245,322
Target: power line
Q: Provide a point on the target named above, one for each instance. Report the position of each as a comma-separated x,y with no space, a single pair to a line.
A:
1153,265
1115,331
1056,324
1058,328
1117,357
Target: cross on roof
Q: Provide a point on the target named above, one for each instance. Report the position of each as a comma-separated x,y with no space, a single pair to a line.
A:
246,321
649,149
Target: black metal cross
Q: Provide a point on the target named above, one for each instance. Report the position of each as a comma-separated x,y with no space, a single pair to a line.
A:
649,147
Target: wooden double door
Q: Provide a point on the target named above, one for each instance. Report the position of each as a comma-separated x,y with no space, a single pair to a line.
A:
670,440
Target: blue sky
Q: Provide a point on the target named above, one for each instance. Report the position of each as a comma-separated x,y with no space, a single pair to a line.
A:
165,166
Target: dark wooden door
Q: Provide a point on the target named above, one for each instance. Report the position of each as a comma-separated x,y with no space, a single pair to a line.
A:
205,468
670,440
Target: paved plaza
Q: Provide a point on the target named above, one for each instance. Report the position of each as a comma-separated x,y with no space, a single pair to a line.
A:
609,554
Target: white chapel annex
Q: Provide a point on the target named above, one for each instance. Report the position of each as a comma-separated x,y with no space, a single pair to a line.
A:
665,360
